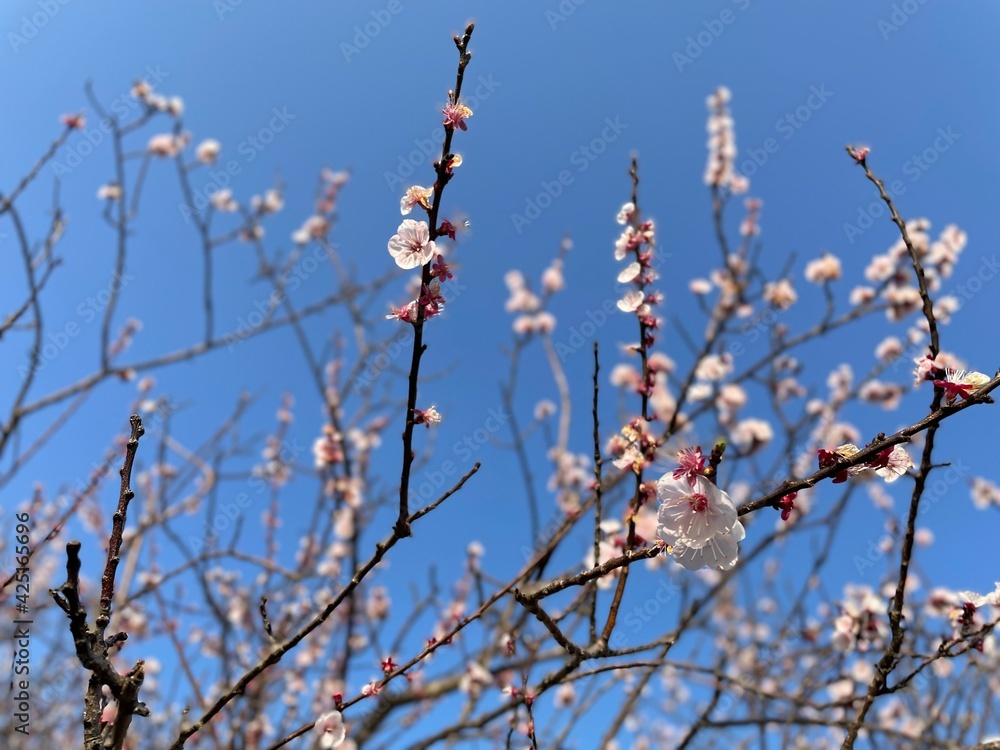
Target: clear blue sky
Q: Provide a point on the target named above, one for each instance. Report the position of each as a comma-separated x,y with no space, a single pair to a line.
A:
550,81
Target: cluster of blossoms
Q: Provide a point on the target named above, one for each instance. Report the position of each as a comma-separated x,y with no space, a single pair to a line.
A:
571,477
166,145
638,240
891,272
413,244
659,366
328,453
428,297
889,463
277,464
696,520
966,612
749,434
719,172
959,384
750,226
142,91
861,624
162,145
635,448
532,317
529,307
317,226
172,144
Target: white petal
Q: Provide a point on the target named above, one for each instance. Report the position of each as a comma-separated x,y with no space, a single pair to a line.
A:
631,271
631,301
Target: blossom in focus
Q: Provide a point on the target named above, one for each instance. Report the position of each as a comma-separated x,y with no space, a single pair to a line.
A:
692,515
891,463
415,196
690,464
407,313
411,246
428,417
455,116
960,384
787,504
978,600
721,552
330,730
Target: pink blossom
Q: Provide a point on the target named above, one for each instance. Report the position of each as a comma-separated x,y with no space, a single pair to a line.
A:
455,115
74,122
427,418
690,465
961,384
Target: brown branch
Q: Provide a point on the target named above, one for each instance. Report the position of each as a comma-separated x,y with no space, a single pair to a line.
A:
918,269
419,347
92,648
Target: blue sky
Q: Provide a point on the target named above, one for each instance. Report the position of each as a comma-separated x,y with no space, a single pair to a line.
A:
551,77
